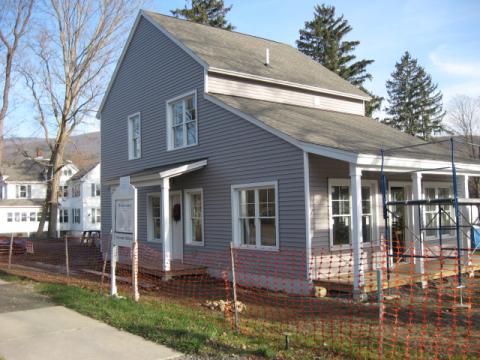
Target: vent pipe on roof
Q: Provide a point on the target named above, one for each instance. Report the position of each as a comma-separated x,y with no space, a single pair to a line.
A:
267,56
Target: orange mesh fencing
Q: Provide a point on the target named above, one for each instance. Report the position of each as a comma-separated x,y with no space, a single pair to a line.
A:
322,301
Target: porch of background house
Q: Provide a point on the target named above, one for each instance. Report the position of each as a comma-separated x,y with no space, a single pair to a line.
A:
416,254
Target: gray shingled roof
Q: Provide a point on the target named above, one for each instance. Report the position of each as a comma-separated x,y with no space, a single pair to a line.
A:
353,133
26,170
230,50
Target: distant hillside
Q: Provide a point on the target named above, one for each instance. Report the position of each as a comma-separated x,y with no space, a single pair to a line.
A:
82,149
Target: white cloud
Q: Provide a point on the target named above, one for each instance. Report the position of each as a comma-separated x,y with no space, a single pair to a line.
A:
458,68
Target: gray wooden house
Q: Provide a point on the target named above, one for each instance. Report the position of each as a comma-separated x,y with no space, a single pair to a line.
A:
234,138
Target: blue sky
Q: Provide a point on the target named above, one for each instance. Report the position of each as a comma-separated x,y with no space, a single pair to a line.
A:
444,35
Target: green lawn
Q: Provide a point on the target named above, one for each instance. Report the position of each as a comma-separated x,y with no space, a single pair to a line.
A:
189,330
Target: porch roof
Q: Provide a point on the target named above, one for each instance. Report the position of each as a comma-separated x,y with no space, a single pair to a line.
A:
350,133
152,176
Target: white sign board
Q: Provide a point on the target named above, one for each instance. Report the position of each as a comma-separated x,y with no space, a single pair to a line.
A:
124,200
124,221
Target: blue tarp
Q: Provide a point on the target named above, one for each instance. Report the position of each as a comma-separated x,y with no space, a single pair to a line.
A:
475,237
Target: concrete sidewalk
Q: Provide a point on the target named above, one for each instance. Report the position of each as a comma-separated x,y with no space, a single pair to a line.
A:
56,333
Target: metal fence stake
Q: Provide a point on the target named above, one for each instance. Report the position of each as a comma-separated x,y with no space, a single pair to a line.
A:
67,262
234,284
10,252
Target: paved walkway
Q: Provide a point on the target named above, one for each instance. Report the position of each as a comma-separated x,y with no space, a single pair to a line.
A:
31,327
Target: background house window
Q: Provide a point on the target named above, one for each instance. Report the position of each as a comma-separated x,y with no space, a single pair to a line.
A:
194,212
9,217
39,216
76,190
255,214
33,216
134,137
64,191
76,216
95,190
24,191
96,216
154,220
431,212
341,215
24,217
17,217
183,122
63,216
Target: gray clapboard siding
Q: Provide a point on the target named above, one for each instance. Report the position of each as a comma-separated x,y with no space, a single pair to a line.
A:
256,90
155,70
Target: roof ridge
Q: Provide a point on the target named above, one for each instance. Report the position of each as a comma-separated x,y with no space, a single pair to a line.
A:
217,28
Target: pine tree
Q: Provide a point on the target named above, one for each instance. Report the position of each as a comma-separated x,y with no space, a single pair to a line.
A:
415,103
322,40
208,12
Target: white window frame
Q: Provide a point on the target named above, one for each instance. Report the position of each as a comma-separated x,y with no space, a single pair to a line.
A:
150,225
236,212
95,190
131,154
374,194
76,190
75,212
170,139
9,217
34,217
436,185
28,191
94,213
188,223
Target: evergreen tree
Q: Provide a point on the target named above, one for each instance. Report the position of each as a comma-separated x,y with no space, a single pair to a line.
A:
208,12
415,103
323,40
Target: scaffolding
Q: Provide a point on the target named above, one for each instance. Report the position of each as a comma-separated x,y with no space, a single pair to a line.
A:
461,223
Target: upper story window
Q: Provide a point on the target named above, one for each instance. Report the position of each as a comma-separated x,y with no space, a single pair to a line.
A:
67,172
76,190
96,216
63,216
95,189
24,191
63,191
134,137
341,212
182,121
255,214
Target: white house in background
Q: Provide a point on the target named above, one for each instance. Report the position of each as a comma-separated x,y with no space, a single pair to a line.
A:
80,203
23,189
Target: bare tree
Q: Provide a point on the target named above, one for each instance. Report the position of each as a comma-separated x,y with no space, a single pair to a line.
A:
14,19
464,120
72,53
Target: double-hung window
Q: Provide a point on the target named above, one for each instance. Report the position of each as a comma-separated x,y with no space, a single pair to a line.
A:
76,190
437,221
255,215
76,216
9,217
154,221
341,211
33,216
95,189
24,191
134,137
194,216
182,121
96,216
64,216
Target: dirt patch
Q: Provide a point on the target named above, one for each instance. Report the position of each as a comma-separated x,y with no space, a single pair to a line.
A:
21,296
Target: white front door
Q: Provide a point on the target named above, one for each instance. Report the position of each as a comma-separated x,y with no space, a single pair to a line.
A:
176,224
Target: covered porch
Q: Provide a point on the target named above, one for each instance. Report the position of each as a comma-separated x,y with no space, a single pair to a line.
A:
158,222
409,243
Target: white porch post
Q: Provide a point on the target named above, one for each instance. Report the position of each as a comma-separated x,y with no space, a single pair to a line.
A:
417,220
356,227
463,192
166,232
